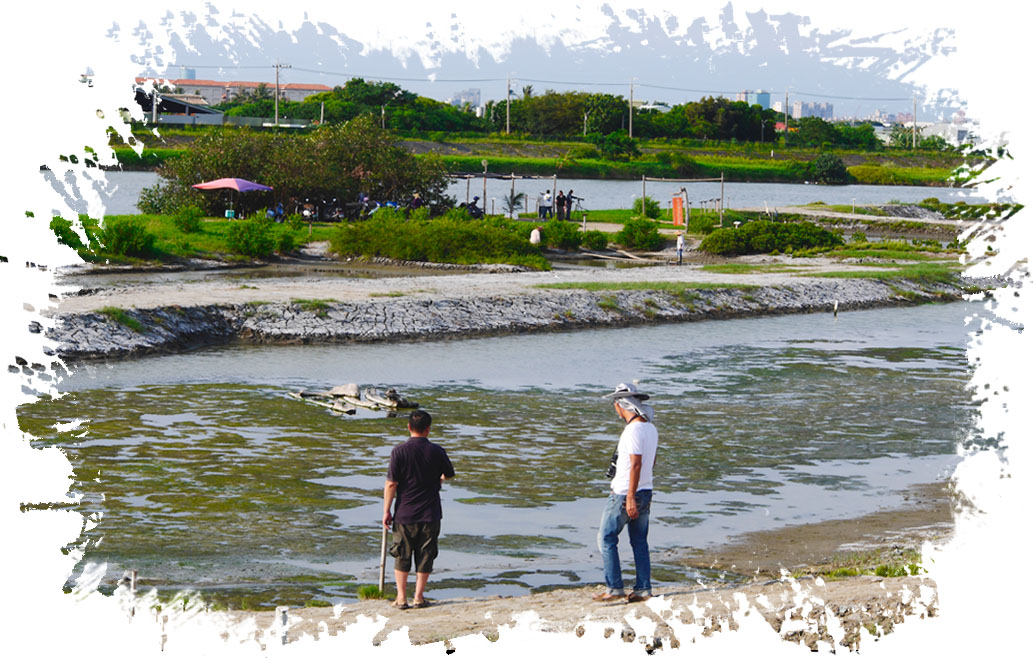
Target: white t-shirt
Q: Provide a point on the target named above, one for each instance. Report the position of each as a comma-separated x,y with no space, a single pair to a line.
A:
639,438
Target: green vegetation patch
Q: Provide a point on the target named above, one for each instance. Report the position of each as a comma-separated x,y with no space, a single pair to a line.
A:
451,238
944,273
762,237
122,317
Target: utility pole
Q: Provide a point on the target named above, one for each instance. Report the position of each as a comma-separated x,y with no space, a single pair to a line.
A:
508,130
914,129
785,111
277,91
631,108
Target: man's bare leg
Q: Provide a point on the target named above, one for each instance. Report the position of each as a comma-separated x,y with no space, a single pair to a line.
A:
401,578
422,580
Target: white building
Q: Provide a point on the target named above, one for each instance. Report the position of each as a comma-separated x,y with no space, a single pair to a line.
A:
216,91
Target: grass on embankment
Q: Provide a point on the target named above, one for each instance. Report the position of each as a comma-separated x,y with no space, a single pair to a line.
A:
931,273
210,242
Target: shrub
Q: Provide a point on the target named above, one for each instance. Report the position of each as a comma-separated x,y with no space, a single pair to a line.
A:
285,241
640,234
127,236
701,224
766,237
595,240
561,235
295,221
584,152
653,209
446,239
829,170
252,237
614,146
188,219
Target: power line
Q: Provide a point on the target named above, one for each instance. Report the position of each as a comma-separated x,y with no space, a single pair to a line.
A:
580,83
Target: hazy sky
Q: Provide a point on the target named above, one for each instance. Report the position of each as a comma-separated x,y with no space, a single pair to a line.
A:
670,54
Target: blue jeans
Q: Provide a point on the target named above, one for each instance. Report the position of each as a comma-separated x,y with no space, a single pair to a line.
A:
613,521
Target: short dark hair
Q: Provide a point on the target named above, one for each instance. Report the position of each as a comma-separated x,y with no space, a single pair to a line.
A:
419,421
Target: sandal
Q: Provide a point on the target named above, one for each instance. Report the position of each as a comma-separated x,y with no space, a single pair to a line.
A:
401,606
605,597
423,604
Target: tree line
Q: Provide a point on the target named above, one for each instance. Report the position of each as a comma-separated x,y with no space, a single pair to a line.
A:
568,115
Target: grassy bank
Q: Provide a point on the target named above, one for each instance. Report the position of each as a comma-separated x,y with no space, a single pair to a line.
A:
659,159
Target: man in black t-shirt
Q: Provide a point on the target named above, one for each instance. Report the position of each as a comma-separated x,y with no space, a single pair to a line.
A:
416,470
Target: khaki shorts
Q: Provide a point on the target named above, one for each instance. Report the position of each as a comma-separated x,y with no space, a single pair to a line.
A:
418,542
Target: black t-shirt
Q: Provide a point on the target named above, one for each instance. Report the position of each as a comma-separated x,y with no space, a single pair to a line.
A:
416,466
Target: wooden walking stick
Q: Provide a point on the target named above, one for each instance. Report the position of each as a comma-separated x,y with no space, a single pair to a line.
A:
384,542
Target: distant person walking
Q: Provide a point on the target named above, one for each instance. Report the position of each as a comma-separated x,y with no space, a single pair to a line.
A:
544,204
417,469
559,203
679,249
629,504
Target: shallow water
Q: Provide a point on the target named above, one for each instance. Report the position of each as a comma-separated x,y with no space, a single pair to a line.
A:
208,476
606,194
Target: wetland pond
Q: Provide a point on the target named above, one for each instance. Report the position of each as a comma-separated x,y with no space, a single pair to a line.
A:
207,477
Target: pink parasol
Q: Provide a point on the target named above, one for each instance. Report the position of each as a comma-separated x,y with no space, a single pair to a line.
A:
239,184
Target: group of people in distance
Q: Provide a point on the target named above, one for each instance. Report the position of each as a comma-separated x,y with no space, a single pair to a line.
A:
562,204
418,467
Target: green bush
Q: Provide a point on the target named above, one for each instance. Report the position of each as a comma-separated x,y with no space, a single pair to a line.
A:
127,236
252,237
828,169
561,235
295,221
286,242
767,237
188,219
446,239
640,234
595,240
701,224
653,209
584,152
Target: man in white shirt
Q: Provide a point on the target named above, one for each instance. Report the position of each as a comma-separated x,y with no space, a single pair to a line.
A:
629,504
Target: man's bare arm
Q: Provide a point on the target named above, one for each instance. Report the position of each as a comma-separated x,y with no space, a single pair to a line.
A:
390,493
636,464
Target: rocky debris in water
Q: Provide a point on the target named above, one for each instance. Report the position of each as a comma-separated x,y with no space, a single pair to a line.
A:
91,335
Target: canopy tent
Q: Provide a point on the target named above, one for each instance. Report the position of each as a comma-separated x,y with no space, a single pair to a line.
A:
237,184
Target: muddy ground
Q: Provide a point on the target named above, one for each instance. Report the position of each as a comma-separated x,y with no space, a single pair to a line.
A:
817,612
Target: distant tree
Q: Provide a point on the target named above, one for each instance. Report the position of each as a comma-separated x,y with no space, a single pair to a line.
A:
614,146
903,137
828,169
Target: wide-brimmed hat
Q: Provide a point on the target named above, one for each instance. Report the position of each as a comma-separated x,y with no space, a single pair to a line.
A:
625,390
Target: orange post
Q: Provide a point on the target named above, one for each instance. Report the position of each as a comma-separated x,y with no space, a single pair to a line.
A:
677,211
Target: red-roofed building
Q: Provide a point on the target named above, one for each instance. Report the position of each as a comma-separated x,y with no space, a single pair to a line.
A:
216,91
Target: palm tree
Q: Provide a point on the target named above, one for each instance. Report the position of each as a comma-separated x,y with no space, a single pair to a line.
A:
513,202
